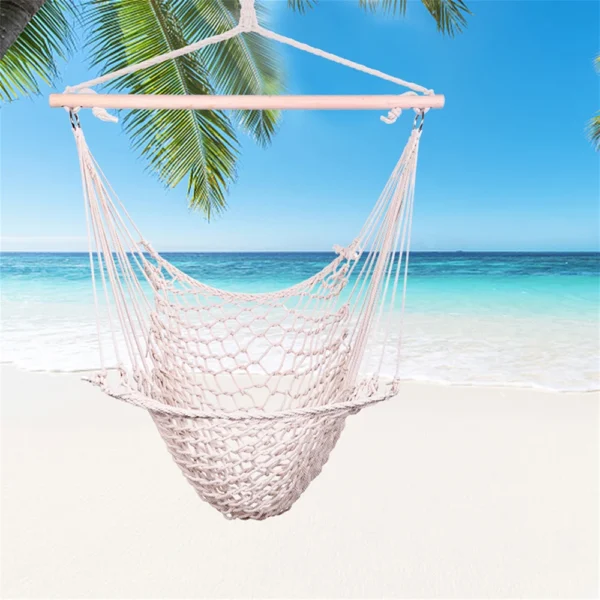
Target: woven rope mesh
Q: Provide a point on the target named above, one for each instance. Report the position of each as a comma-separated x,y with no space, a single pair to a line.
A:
250,469
233,352
250,392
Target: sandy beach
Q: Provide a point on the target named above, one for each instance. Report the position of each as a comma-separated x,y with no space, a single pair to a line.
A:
444,492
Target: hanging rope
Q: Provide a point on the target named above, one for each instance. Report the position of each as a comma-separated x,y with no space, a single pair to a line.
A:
248,23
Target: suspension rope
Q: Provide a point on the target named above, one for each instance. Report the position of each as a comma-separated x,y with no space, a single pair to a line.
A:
248,23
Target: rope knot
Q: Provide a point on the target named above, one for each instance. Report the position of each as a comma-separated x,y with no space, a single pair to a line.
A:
392,116
122,373
349,252
97,379
99,113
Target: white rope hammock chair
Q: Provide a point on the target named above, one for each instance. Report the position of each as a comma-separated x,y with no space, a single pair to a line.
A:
250,392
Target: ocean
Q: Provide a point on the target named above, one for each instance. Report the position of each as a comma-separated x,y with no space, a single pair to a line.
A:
501,319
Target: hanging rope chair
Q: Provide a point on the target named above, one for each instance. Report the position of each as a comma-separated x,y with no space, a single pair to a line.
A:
250,392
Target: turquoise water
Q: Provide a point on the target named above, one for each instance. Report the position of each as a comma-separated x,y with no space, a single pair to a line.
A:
478,318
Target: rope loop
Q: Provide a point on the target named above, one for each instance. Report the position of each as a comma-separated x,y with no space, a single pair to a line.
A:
393,115
99,113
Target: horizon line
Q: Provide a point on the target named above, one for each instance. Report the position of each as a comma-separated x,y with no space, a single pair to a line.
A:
85,252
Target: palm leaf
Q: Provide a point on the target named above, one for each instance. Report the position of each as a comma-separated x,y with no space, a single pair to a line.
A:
450,15
178,144
594,124
387,6
34,54
594,131
243,65
301,6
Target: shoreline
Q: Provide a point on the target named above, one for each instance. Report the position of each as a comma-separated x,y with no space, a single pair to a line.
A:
514,323
411,381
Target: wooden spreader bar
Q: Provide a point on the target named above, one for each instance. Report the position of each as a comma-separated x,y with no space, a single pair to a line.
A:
184,102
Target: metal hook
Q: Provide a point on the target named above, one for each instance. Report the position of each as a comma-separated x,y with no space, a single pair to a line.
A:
420,113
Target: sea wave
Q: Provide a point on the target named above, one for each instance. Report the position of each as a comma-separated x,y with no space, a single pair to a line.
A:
539,352
524,320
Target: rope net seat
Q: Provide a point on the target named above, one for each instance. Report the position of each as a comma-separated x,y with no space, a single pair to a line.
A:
250,392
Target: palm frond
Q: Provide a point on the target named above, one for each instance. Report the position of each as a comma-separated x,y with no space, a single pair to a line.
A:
301,6
178,144
243,65
450,15
393,7
594,131
594,124
33,57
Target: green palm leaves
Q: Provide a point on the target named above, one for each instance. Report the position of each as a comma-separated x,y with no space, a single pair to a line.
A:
197,146
450,15
33,56
594,131
594,124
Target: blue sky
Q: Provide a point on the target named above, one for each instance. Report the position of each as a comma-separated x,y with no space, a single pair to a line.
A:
505,166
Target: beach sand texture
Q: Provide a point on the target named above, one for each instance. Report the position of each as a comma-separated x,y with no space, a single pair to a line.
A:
443,492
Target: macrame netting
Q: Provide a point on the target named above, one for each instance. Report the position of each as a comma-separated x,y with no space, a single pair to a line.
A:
250,392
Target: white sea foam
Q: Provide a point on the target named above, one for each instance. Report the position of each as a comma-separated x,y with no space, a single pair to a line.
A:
542,352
